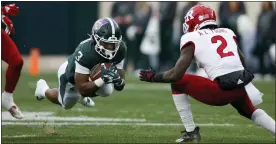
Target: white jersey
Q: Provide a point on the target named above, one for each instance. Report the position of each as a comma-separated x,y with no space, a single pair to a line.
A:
216,51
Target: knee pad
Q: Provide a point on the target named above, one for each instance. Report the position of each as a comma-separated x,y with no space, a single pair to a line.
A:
68,105
105,90
70,100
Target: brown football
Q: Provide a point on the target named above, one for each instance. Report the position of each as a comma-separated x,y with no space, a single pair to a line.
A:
96,71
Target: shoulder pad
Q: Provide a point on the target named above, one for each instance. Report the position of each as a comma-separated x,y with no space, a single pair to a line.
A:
229,31
85,41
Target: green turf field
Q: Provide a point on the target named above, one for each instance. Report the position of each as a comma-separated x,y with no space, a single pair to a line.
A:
142,113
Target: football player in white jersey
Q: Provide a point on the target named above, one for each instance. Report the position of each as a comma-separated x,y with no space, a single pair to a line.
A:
215,50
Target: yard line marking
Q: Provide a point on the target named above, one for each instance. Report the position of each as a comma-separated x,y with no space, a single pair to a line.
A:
28,136
48,116
109,124
19,136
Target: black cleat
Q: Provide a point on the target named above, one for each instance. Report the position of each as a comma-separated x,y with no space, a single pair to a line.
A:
193,136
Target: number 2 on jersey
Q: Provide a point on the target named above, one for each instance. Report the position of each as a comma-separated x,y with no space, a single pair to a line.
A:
222,46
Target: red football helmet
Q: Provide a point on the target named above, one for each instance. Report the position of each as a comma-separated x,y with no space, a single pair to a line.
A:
197,17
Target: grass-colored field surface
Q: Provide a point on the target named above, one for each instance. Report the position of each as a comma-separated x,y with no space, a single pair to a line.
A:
142,113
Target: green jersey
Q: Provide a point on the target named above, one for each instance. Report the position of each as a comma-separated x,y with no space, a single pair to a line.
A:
86,56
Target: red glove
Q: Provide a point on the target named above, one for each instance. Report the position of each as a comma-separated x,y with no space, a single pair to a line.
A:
9,25
10,10
147,75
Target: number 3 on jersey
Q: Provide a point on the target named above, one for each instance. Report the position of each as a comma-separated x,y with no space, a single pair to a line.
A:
79,56
222,46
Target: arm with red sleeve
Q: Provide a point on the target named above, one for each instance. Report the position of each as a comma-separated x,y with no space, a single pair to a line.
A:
9,10
187,49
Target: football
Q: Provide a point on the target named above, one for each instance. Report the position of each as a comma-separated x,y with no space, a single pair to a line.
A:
96,71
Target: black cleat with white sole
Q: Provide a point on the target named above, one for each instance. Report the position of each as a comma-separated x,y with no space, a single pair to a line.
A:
193,136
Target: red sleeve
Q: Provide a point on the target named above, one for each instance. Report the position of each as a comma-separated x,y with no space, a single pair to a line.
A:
3,11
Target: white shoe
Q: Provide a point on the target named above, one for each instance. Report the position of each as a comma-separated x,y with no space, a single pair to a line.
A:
8,104
16,112
41,87
86,101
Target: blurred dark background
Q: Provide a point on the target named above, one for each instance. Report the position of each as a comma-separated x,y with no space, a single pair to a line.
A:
152,30
54,27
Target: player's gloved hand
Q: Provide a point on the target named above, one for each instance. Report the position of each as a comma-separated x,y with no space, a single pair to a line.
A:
109,75
9,25
117,80
10,10
147,75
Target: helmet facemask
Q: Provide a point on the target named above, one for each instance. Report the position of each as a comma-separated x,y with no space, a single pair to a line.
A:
107,48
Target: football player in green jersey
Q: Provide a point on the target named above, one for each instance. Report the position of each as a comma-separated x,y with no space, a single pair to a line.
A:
104,46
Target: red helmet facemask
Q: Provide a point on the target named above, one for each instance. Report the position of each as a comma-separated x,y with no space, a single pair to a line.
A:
198,17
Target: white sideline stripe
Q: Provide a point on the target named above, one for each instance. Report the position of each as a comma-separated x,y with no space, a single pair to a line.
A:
76,119
109,124
48,116
129,86
19,136
28,136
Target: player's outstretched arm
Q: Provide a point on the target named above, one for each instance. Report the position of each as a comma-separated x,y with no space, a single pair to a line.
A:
181,65
10,10
174,74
